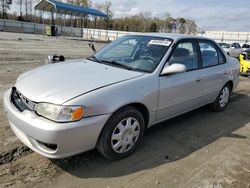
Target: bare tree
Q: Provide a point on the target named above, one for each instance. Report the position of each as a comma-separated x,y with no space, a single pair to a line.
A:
21,5
182,25
147,14
5,5
107,9
191,27
97,6
26,9
87,4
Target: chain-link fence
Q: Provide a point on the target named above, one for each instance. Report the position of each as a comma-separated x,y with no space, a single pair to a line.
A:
34,28
221,36
107,35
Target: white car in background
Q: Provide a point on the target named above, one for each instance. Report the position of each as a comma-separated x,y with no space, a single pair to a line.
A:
245,46
232,49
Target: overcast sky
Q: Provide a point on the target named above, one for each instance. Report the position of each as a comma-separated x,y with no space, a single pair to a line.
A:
226,15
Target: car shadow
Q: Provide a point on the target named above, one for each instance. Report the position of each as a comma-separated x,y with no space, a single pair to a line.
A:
170,141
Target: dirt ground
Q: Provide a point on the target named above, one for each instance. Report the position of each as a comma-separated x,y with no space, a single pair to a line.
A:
198,149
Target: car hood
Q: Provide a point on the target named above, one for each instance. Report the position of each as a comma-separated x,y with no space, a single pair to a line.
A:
58,83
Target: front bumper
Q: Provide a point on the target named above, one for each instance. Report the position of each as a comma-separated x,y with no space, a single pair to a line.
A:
51,139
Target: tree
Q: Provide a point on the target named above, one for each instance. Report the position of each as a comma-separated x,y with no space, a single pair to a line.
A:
191,27
153,27
20,4
83,3
182,25
147,14
97,6
87,4
107,9
167,15
28,9
5,6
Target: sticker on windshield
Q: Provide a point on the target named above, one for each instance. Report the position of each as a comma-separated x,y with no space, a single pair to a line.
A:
160,42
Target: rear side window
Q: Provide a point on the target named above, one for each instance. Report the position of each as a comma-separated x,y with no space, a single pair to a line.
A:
185,53
210,54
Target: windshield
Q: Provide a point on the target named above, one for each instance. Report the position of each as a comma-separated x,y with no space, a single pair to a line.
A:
137,53
224,45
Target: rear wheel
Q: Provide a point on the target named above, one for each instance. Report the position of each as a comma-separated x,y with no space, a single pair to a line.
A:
222,99
121,134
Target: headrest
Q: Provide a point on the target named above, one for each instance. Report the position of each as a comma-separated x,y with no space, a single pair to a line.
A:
208,53
181,52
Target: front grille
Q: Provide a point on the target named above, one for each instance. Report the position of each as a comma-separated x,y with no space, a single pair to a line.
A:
20,101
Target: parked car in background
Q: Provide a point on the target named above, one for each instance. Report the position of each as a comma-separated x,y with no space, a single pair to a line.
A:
232,49
245,63
224,45
245,47
108,100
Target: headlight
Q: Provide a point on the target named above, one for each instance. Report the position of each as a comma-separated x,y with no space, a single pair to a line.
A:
60,113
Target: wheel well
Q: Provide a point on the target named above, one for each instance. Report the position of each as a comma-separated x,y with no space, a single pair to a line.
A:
231,84
141,108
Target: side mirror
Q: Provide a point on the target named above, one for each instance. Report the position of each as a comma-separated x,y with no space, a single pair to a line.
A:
55,59
173,69
92,46
232,47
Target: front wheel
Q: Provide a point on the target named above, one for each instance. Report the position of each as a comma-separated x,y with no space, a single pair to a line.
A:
121,134
222,99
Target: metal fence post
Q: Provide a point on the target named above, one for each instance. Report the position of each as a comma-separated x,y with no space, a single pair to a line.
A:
22,27
106,35
3,24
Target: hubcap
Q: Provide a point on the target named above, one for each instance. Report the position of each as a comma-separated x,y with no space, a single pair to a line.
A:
125,135
224,97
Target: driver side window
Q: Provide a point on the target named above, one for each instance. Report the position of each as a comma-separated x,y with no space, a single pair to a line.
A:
185,53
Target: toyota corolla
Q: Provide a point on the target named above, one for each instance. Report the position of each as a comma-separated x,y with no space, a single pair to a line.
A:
108,100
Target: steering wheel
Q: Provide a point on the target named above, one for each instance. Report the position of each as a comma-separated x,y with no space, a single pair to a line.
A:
142,64
148,58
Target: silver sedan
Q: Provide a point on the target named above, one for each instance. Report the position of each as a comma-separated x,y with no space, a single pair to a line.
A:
108,100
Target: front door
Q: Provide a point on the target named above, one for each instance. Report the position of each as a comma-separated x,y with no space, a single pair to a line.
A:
181,92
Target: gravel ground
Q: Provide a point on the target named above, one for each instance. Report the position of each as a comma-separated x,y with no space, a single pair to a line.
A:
197,149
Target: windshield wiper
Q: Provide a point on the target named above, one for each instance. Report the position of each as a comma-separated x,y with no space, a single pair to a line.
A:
93,58
117,64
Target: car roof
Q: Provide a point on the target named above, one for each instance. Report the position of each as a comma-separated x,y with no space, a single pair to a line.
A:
173,36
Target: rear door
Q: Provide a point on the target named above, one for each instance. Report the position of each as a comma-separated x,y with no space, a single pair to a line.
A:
213,71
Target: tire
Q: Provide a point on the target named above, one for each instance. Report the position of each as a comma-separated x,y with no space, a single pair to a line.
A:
222,99
121,134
